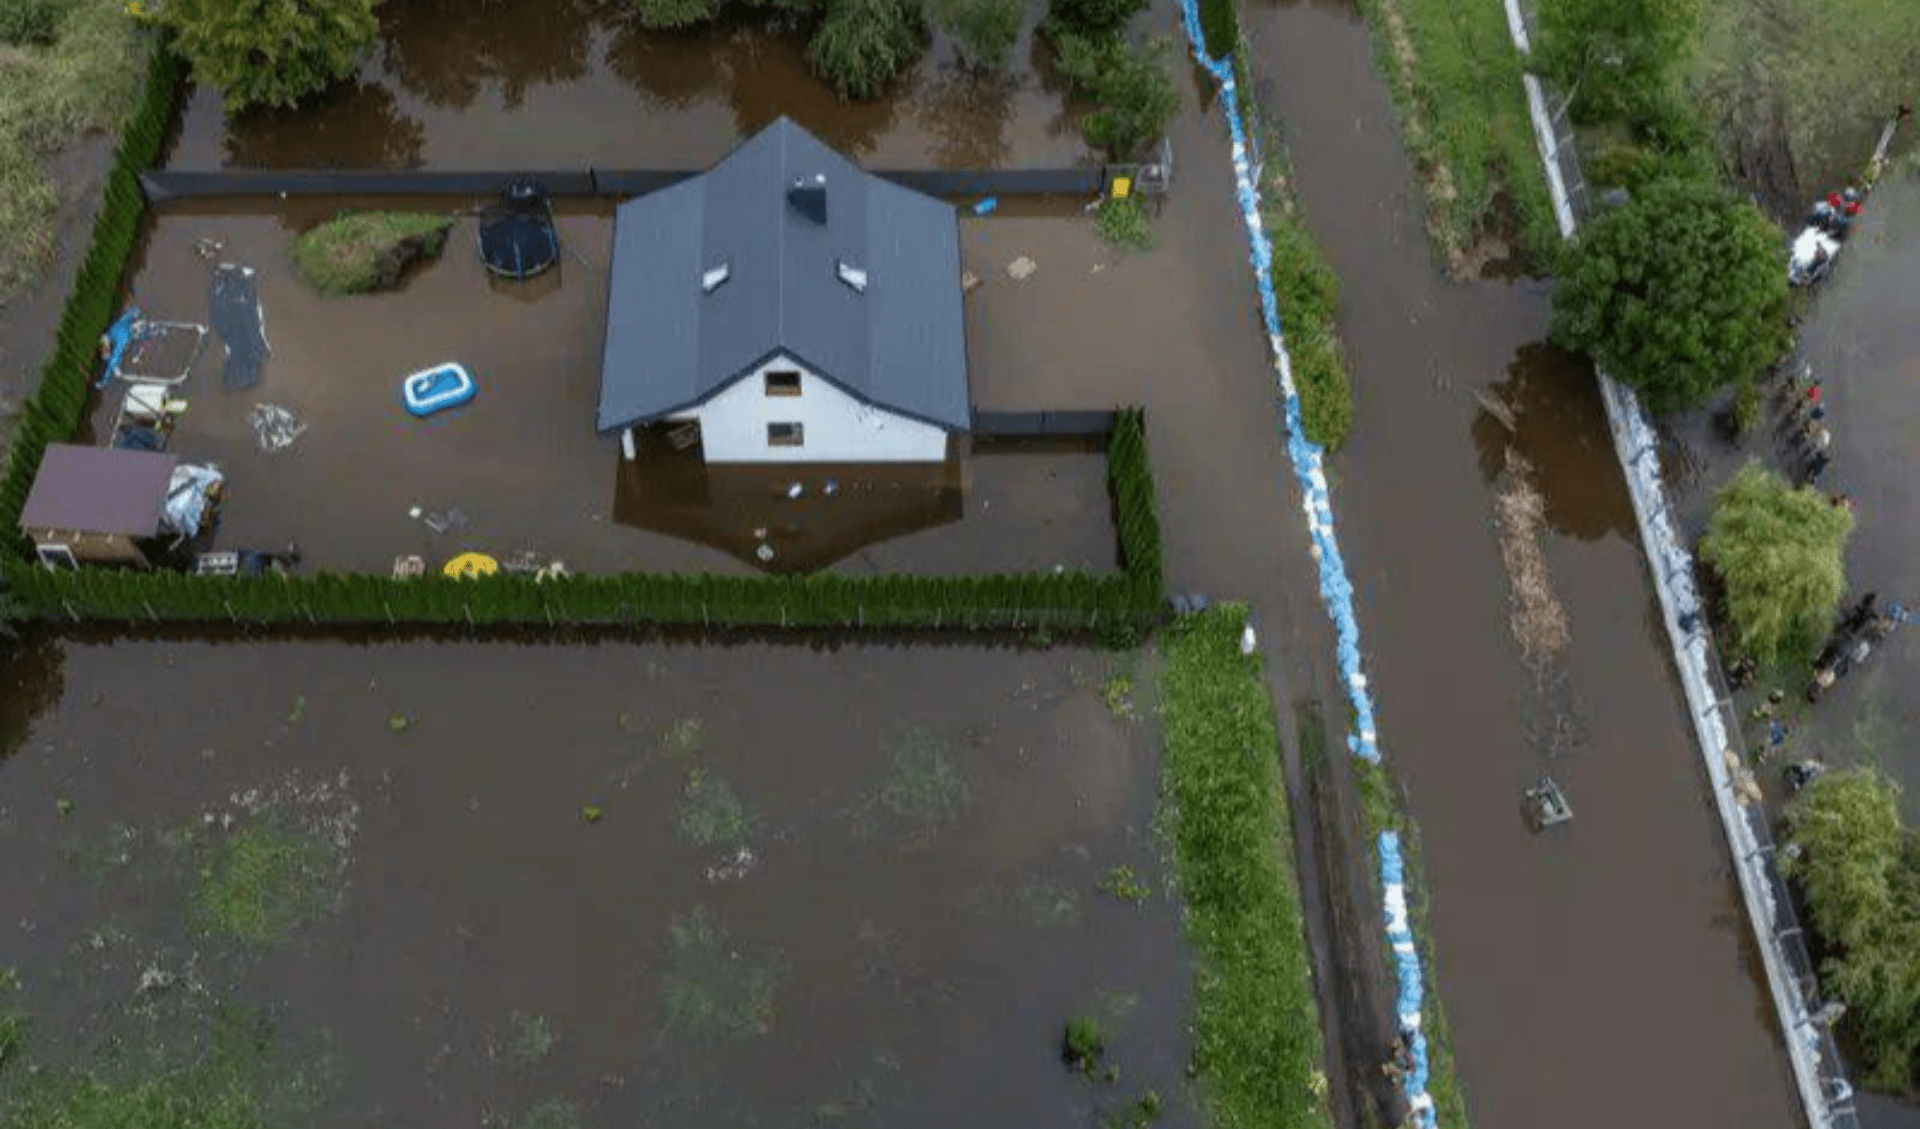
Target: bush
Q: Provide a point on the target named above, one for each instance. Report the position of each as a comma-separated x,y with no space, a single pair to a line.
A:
361,251
270,52
29,23
674,13
1091,18
1613,51
1678,293
1220,27
984,30
1309,295
1083,1043
863,44
1778,550
1134,97
1123,222
1859,870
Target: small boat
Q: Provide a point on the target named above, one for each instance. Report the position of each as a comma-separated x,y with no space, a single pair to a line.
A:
437,389
1811,255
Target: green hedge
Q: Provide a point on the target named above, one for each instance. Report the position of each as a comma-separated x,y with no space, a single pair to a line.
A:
54,413
1064,600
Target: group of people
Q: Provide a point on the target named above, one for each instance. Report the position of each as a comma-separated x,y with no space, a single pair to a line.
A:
1811,439
1853,641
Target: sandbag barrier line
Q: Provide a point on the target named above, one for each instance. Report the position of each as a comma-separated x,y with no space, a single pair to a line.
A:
1818,1071
1336,590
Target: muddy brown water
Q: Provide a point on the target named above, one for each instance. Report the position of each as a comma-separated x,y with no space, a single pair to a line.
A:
921,964
571,84
1599,974
522,463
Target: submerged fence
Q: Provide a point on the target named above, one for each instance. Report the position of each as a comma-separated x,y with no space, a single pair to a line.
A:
1819,1072
163,185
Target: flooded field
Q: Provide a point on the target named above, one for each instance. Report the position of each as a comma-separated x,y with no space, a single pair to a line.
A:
1563,958
571,84
521,469
450,884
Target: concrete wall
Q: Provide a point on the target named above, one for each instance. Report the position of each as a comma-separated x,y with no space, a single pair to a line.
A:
837,427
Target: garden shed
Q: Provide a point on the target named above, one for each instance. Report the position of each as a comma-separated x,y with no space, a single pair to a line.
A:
95,505
786,307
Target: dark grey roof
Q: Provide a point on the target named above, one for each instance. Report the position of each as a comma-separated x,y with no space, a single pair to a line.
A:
900,345
98,490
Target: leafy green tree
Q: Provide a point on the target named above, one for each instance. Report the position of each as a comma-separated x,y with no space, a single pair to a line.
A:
1779,552
1607,54
984,30
1857,867
270,52
1678,292
1091,17
674,13
1133,94
863,44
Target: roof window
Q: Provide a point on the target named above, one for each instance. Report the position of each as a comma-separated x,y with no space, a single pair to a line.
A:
710,281
851,275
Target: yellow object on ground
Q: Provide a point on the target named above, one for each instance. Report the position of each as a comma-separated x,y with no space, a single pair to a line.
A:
470,566
1122,187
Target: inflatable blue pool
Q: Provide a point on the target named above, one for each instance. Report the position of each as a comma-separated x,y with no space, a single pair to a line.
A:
437,389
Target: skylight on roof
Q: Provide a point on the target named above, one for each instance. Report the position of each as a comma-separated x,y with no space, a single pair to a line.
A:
851,275
710,281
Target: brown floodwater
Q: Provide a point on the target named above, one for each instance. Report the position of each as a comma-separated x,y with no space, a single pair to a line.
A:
1599,974
918,910
573,84
521,464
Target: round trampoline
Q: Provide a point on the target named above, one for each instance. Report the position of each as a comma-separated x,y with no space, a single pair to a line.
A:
517,238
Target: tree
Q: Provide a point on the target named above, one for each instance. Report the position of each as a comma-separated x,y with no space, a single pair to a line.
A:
270,52
1091,17
1607,54
984,30
1679,292
1857,867
1778,551
1134,96
863,44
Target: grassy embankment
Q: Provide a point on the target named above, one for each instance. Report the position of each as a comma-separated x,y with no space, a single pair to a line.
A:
67,68
1456,80
1381,810
357,252
1257,1028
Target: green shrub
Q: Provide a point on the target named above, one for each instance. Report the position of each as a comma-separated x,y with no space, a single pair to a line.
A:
1134,96
29,23
361,251
1780,553
270,52
1607,53
1308,293
863,44
1123,222
674,13
1220,27
1859,870
1091,17
1083,1042
984,30
1678,293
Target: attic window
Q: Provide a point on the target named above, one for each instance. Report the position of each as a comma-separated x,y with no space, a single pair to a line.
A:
710,281
851,275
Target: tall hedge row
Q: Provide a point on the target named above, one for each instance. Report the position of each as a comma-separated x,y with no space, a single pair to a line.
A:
1062,600
54,412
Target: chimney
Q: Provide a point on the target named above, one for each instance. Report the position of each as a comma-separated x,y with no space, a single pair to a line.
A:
809,197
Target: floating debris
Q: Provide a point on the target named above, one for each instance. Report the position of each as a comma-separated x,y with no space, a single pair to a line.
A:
275,427
1021,268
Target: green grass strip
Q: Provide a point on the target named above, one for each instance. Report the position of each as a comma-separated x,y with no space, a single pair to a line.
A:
1257,1026
1455,77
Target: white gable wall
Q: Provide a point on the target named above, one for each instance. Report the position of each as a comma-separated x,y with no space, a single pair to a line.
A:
837,427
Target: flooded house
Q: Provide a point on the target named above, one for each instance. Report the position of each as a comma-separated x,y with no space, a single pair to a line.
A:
786,307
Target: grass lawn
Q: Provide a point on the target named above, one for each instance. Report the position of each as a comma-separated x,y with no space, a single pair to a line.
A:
1257,1025
73,67
1455,76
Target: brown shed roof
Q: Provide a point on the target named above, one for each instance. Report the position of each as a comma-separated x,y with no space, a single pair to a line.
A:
95,490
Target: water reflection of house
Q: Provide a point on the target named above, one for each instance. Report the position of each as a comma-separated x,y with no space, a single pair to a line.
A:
786,307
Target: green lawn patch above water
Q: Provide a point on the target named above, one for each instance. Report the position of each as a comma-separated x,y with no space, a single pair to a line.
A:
1455,76
710,988
712,813
1257,1025
364,251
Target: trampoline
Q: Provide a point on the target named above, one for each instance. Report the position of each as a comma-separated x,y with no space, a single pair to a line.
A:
517,238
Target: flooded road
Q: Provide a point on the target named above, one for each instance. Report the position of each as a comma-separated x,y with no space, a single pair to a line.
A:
594,874
1597,975
571,84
